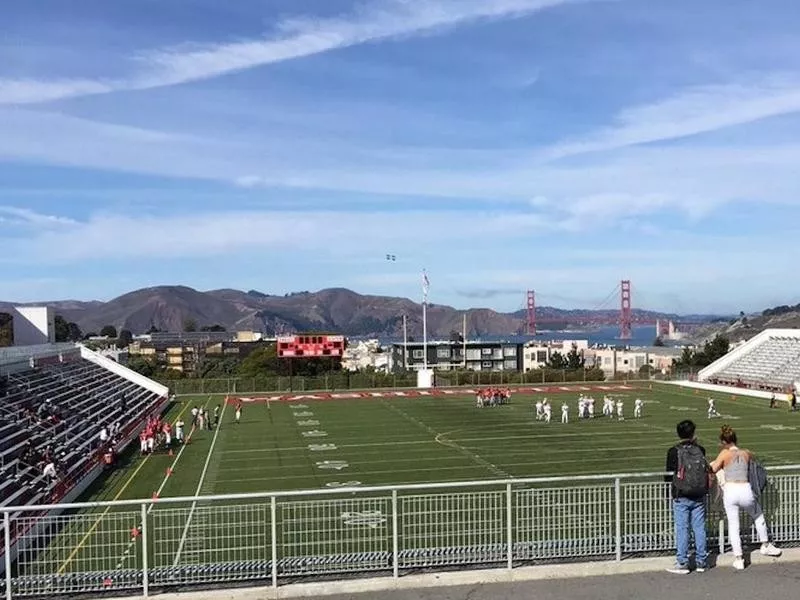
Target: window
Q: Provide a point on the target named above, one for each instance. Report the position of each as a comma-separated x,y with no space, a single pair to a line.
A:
473,354
541,356
443,353
417,353
497,353
625,362
607,360
487,364
509,351
510,364
486,351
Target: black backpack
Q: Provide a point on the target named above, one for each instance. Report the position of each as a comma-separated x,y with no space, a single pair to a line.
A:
691,476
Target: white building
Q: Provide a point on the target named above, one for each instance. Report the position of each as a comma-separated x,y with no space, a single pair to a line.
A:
615,361
365,354
537,353
34,325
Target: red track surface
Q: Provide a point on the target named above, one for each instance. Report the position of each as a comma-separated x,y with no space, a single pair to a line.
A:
429,393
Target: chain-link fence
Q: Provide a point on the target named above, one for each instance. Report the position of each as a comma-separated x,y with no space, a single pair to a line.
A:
365,381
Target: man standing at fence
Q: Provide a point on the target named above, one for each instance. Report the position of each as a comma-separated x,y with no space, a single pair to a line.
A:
690,483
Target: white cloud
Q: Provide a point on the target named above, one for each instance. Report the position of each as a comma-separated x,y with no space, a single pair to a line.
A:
25,216
296,38
694,111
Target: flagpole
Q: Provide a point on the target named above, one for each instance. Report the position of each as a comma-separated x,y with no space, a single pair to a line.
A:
425,286
405,342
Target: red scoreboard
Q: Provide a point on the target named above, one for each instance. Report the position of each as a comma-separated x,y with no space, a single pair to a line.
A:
310,346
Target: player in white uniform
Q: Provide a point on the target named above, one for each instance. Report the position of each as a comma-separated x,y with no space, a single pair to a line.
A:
712,410
620,415
565,413
637,408
608,409
548,411
590,406
539,410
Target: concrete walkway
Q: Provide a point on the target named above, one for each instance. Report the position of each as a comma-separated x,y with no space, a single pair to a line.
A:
634,579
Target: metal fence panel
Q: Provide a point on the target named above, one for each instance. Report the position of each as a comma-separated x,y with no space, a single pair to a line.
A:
65,554
452,529
564,522
210,543
334,536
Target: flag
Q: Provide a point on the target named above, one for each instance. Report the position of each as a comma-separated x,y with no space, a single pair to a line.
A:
425,286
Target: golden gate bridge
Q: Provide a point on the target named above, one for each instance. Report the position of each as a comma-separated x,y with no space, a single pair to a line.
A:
625,316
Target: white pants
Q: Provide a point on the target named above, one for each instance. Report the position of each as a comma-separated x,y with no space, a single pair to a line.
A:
637,412
740,496
547,417
564,417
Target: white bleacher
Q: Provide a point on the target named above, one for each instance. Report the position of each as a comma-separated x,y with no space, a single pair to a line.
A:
54,403
769,361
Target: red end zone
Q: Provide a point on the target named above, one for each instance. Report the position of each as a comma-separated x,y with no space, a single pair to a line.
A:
425,393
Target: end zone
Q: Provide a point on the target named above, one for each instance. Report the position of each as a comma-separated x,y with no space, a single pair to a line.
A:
436,392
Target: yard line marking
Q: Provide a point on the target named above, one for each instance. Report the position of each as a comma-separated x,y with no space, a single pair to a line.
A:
481,461
83,541
199,486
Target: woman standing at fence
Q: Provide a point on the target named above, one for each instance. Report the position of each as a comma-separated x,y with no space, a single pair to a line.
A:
738,494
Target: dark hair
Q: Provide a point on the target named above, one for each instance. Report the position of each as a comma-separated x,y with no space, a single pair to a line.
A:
686,429
727,435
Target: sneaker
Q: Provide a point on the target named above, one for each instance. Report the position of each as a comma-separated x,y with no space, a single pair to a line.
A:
770,550
738,564
679,569
701,568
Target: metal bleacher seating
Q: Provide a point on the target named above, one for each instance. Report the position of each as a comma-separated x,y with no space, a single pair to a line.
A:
771,364
58,410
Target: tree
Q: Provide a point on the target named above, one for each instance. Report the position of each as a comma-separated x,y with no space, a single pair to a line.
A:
263,361
6,329
90,335
109,331
189,325
658,342
153,329
716,348
125,338
67,331
142,366
213,328
575,359
557,361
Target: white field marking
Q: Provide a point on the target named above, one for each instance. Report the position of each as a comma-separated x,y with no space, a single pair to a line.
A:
370,518
746,401
302,406
160,487
199,486
482,462
320,447
338,484
778,427
308,423
337,465
524,465
315,434
305,413
684,408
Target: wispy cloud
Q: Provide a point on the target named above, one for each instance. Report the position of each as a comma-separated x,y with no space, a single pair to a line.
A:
24,216
293,39
691,112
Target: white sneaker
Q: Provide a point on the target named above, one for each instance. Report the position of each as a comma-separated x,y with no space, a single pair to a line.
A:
770,550
738,564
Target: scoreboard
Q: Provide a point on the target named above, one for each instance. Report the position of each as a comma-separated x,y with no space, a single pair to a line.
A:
311,346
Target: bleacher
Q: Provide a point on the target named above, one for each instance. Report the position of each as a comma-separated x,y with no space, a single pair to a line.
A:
770,361
52,409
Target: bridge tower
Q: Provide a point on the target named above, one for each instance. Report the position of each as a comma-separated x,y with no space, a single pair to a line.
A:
531,325
625,313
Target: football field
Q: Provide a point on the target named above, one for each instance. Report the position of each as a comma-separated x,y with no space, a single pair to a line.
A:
308,443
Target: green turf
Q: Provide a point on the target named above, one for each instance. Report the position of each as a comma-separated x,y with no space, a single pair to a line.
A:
384,442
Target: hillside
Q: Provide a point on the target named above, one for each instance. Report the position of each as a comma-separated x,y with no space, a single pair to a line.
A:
751,325
336,309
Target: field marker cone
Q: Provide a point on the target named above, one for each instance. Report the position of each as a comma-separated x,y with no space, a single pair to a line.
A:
170,452
169,471
155,495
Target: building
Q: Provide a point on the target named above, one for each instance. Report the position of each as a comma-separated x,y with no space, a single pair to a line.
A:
666,330
33,325
365,354
538,353
185,351
450,355
622,361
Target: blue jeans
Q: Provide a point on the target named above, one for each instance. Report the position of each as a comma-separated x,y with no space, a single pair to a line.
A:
690,514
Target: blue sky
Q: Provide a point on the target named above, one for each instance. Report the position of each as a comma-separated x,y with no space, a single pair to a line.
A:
503,145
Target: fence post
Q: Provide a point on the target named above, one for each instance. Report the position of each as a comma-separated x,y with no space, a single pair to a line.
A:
395,538
509,529
145,575
7,549
618,518
273,509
